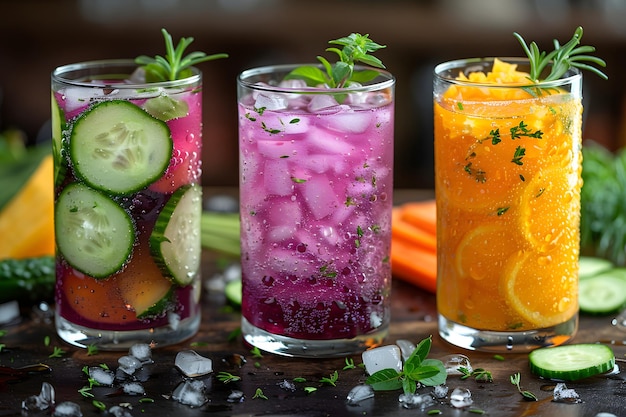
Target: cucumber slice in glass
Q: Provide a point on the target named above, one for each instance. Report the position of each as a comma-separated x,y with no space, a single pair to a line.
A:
175,240
93,233
119,148
603,293
571,362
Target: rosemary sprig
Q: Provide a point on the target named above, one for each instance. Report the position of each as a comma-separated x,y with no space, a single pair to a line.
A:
355,48
562,58
175,65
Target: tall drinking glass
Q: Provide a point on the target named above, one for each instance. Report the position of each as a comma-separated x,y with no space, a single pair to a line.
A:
127,205
508,180
316,178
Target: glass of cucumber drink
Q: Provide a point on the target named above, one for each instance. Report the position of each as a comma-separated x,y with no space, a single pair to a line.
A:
507,181
127,144
316,168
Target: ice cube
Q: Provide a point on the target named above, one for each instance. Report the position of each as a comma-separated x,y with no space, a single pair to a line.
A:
235,396
133,388
43,401
320,196
276,178
350,122
440,391
383,357
270,101
191,393
129,364
173,319
605,415
565,395
461,397
454,362
360,393
287,385
416,400
406,347
117,411
322,102
104,377
191,364
67,409
141,351
9,312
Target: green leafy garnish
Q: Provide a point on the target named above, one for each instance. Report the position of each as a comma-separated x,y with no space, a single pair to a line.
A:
331,379
562,58
515,380
355,48
175,65
417,368
479,374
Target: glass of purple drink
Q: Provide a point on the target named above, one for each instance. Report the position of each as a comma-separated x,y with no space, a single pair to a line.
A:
316,178
128,203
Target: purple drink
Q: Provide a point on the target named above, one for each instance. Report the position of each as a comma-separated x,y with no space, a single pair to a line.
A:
127,205
316,178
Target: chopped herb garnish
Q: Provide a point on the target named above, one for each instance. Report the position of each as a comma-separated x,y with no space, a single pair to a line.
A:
502,210
256,352
515,380
92,350
298,180
479,374
299,379
227,377
57,352
349,364
309,390
259,394
331,379
518,155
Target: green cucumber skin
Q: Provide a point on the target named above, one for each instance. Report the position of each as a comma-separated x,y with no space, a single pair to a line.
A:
157,238
611,283
28,279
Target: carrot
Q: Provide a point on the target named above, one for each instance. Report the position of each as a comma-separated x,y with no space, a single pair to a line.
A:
414,244
421,214
401,229
414,264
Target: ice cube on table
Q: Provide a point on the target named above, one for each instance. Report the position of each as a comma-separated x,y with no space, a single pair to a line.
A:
141,351
406,347
360,393
40,402
9,312
192,365
129,364
440,391
133,388
104,377
117,411
454,362
191,393
461,397
416,400
383,357
67,409
563,394
235,396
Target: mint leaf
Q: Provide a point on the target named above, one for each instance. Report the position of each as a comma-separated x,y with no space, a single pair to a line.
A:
385,380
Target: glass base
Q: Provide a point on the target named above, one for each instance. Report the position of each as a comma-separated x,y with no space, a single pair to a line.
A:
495,341
306,348
122,340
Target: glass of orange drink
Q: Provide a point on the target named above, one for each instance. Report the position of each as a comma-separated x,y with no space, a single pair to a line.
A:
507,183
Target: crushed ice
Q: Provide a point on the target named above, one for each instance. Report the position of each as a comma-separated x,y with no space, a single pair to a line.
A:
287,385
142,352
192,365
416,400
129,364
235,396
104,377
562,394
67,409
117,411
454,362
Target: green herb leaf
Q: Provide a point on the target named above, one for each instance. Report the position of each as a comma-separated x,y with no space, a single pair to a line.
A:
175,65
355,48
562,58
385,380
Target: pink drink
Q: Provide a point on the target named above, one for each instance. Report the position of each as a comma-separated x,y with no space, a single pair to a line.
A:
316,197
104,295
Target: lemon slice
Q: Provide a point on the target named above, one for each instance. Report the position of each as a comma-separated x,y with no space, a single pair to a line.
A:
549,209
541,289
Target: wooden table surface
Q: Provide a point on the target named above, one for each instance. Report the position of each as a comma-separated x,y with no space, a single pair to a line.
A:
413,318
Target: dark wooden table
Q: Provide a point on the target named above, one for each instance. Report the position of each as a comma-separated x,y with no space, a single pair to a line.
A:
413,318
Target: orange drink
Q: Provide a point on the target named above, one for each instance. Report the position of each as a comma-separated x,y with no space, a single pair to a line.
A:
508,165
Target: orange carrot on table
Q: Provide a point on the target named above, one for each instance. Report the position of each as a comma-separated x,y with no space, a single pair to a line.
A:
421,214
413,264
401,229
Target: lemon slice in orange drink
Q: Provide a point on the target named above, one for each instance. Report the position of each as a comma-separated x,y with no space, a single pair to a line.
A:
541,289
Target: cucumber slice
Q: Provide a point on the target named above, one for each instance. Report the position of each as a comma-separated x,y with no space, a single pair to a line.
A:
119,148
233,291
603,293
571,362
93,233
175,240
589,266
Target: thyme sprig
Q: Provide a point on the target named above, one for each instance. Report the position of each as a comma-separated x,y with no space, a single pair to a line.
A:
355,48
175,65
562,58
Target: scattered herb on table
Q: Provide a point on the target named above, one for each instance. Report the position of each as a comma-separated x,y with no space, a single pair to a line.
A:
515,380
479,374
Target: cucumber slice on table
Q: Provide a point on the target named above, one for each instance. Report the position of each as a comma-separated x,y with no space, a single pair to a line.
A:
93,233
571,362
589,266
603,293
119,148
175,240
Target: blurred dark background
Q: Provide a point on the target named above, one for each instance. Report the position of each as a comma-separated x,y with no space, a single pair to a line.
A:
38,35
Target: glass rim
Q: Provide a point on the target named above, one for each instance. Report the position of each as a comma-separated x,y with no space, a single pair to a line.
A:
58,75
572,75
244,76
